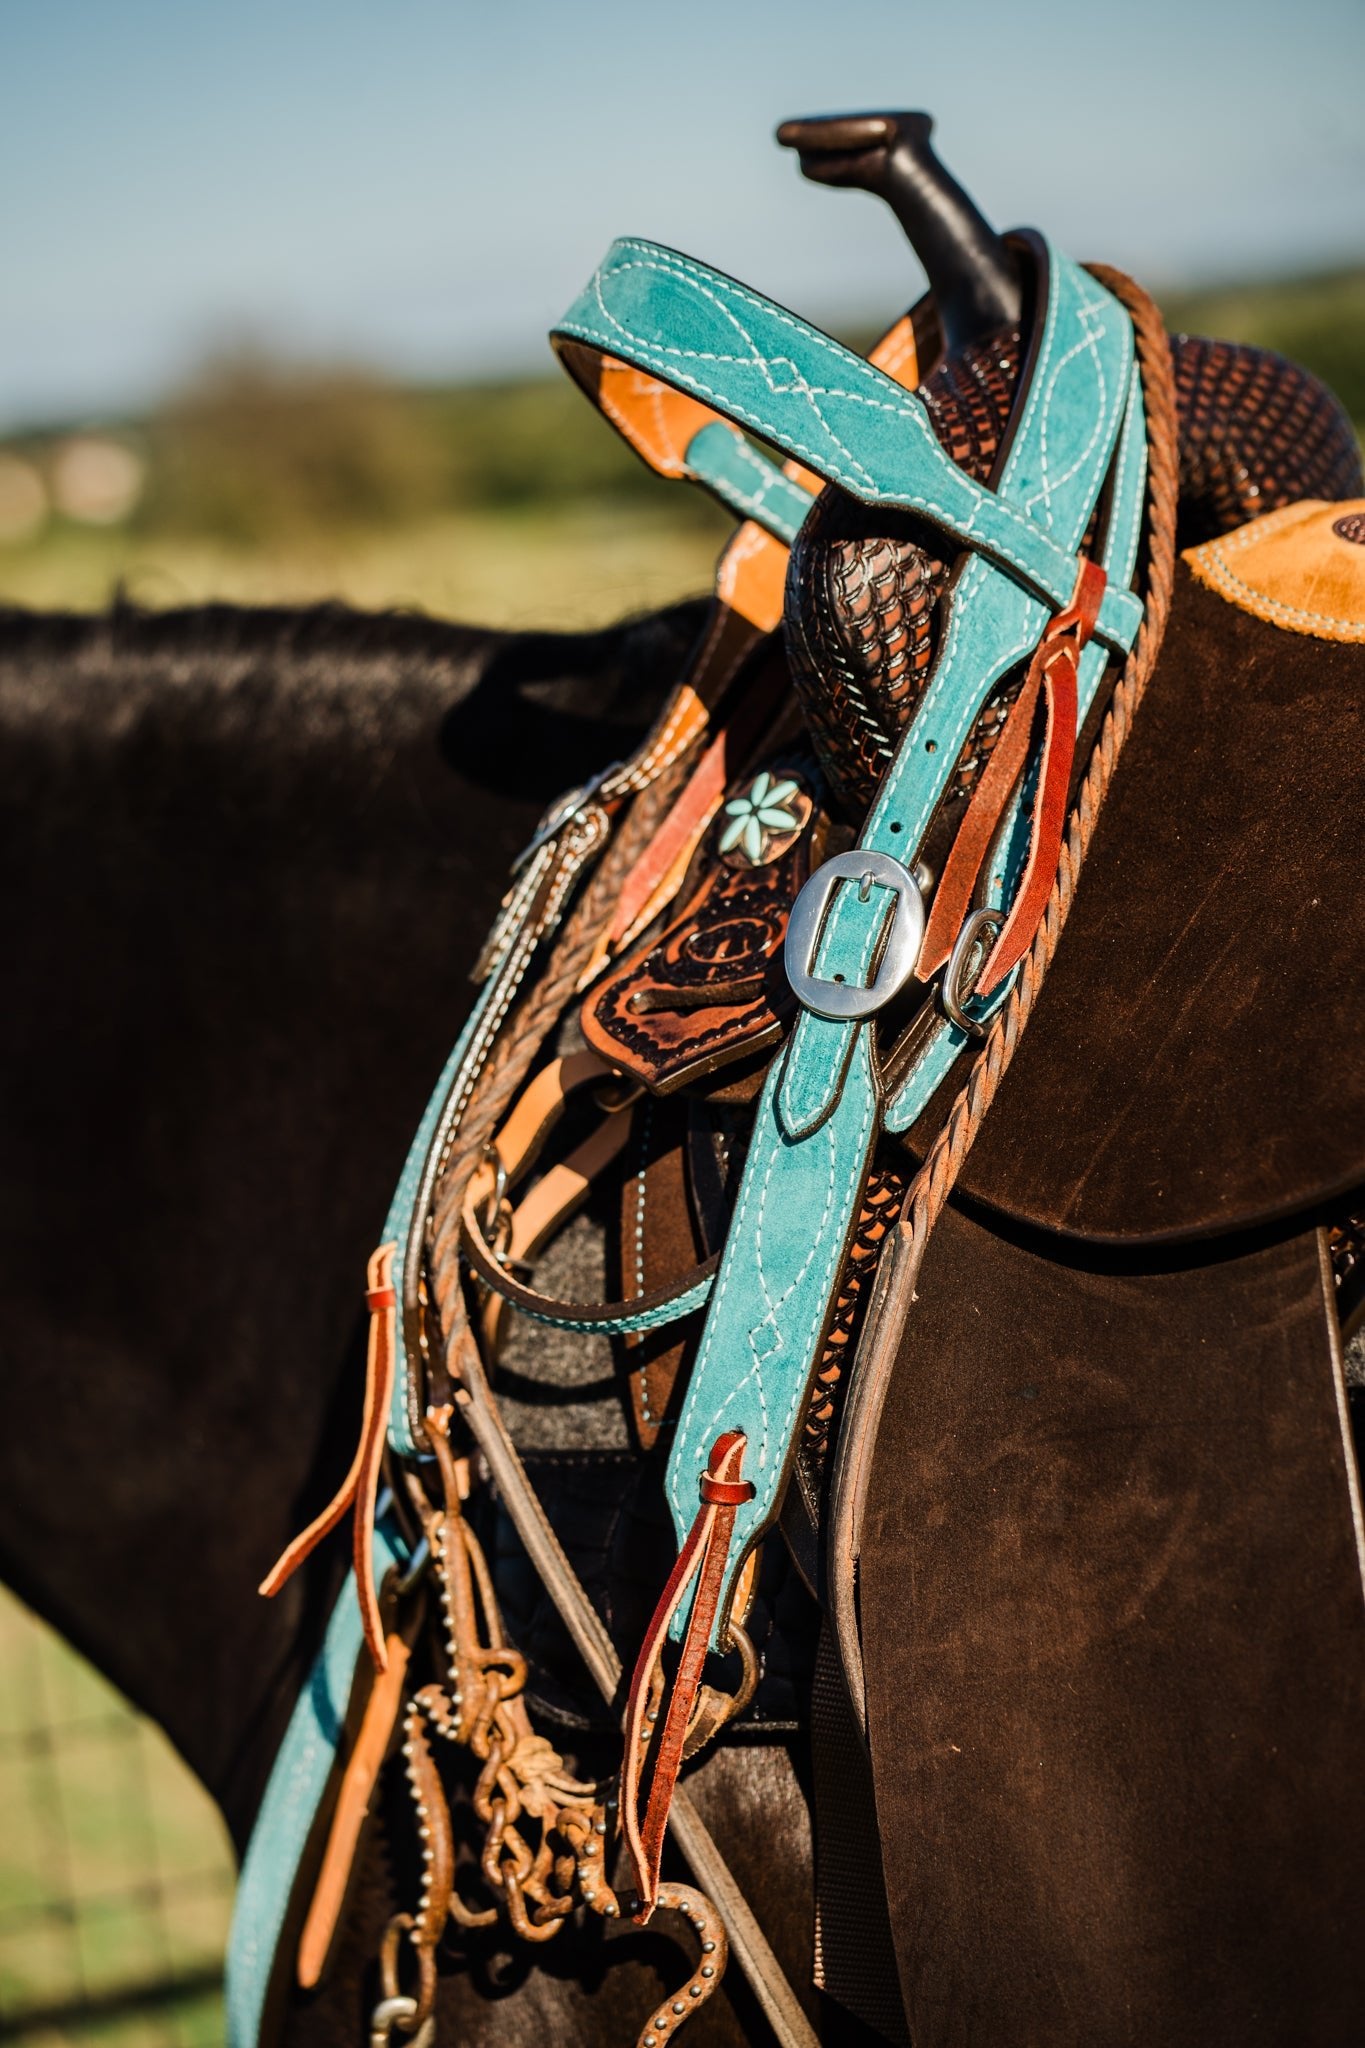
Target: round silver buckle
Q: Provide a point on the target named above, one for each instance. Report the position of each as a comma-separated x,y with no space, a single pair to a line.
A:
901,939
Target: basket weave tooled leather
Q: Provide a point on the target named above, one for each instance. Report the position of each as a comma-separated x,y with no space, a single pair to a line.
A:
1256,432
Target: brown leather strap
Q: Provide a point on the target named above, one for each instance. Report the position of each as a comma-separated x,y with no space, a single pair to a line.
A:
702,1559
545,1308
1060,656
555,1198
657,1238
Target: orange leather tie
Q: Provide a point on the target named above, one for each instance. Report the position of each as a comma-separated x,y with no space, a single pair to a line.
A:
360,1488
1053,675
702,1558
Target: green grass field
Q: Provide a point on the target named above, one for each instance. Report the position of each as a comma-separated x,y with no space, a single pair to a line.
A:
115,1868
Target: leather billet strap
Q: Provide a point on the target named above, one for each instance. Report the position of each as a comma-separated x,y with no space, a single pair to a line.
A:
822,1106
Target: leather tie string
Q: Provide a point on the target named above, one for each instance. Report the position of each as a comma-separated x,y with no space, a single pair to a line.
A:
702,1559
360,1488
1053,674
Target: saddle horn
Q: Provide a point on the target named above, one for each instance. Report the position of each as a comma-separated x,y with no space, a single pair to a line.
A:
970,269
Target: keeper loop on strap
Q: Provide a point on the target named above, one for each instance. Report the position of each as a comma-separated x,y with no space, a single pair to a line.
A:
727,1493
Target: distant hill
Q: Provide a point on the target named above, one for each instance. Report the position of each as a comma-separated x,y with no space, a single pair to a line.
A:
253,453
506,503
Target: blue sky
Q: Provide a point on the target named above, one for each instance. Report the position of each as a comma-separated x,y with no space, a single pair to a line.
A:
424,184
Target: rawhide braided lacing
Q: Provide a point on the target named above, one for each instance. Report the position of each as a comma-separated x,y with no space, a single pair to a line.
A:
523,1038
546,1832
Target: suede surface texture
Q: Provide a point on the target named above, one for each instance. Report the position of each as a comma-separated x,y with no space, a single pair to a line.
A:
1116,1690
1196,1062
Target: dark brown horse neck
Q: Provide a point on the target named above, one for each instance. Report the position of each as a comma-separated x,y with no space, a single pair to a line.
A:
254,855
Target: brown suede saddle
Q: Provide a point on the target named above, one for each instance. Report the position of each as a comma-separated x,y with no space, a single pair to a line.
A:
1111,1584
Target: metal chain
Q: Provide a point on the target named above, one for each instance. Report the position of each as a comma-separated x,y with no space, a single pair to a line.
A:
546,1833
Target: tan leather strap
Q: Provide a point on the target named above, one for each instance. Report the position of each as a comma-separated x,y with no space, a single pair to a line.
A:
352,1808
359,1490
556,1197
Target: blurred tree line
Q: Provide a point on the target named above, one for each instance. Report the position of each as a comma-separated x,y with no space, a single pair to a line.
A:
254,453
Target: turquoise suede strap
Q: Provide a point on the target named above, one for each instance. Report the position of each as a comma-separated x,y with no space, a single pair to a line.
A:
741,477
760,366
820,1110
293,1799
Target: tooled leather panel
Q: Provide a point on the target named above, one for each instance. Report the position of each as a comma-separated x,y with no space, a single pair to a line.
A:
880,1207
863,586
710,989
1256,432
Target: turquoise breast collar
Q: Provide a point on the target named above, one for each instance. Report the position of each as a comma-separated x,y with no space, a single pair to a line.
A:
823,1104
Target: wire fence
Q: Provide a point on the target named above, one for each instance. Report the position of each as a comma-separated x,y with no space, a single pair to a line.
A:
115,1870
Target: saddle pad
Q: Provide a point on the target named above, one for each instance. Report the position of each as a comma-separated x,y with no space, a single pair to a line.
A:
1302,568
1112,1606
1196,1062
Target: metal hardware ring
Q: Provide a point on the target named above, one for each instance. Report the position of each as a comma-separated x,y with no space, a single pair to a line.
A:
953,993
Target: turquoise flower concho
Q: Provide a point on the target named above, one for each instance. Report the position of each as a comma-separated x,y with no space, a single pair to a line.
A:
763,821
